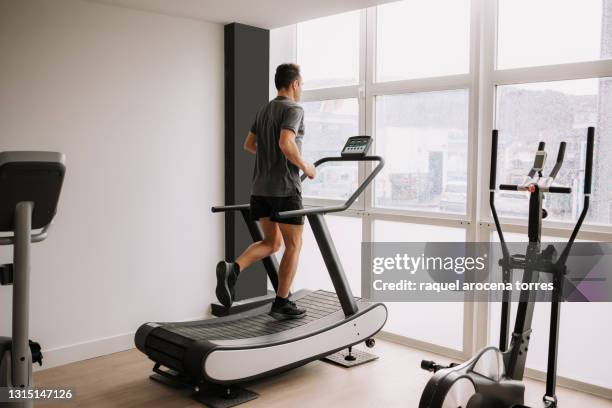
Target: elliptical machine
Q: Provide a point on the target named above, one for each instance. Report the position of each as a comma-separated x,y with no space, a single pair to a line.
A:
30,185
493,377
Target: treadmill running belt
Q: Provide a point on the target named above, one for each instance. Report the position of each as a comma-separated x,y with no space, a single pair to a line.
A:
318,304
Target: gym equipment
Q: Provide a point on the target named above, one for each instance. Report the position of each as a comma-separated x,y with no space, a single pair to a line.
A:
30,185
493,377
250,345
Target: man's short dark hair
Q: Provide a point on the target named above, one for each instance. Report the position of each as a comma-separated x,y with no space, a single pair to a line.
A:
285,75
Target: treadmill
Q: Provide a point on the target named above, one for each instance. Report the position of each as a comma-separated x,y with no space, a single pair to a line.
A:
250,345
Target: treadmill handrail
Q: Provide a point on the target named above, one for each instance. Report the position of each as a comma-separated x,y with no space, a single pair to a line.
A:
38,237
228,208
350,200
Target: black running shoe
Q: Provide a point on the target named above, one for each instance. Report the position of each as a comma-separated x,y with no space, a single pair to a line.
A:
287,310
226,283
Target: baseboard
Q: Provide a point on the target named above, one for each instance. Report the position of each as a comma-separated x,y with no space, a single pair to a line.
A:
86,350
90,349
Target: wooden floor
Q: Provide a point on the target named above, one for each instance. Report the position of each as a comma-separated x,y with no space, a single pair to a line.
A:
394,380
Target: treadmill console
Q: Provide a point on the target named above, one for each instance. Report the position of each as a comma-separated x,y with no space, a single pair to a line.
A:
357,146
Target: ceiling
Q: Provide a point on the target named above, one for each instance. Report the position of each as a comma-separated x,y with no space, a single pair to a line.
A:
258,13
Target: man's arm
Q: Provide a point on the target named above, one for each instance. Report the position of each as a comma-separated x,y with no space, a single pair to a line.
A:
250,143
292,153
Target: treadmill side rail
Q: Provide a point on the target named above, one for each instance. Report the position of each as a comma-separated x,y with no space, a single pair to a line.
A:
226,365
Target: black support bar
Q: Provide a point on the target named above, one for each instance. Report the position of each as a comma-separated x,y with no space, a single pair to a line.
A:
333,264
588,168
559,163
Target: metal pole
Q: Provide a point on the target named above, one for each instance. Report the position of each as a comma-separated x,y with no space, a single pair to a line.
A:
332,261
553,337
21,356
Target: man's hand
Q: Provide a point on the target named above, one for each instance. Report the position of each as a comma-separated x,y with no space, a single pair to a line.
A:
309,170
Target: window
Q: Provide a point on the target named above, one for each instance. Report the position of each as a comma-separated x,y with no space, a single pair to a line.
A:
408,45
548,32
409,319
328,51
401,72
312,272
424,139
554,112
327,126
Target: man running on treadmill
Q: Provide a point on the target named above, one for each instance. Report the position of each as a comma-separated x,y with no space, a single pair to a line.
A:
275,138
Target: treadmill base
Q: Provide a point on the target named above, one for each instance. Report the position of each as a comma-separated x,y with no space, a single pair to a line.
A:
177,384
211,395
360,357
170,378
216,396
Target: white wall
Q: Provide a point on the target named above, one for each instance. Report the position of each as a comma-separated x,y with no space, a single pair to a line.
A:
135,101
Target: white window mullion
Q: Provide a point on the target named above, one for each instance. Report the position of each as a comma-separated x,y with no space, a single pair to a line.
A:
368,64
561,72
444,83
340,92
486,100
485,89
362,166
472,333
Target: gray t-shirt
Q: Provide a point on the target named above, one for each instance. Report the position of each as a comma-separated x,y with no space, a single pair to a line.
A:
274,175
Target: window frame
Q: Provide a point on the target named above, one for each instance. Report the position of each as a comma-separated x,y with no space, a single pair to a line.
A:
481,82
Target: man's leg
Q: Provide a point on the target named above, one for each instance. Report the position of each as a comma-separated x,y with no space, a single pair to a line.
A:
292,237
282,308
261,249
227,272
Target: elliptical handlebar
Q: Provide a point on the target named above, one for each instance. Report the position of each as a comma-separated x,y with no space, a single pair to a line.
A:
551,189
534,177
493,167
588,168
544,185
559,163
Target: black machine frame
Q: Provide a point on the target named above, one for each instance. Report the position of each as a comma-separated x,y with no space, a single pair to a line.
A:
508,390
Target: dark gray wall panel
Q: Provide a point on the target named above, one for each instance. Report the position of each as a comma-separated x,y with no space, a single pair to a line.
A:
247,67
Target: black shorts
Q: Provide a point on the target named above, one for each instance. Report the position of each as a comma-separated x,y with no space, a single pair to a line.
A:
262,207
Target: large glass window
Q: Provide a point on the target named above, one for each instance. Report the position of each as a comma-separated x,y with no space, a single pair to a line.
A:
545,32
424,139
417,39
420,126
327,126
312,272
328,50
410,319
554,112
